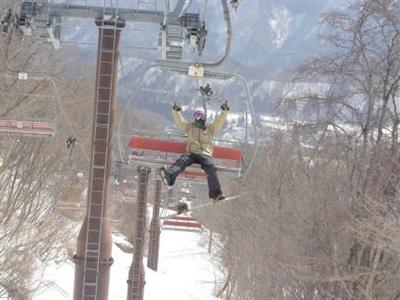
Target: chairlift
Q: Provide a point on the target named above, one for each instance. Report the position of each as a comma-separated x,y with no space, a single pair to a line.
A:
26,128
174,32
20,114
195,33
233,155
181,219
34,20
182,223
116,172
201,38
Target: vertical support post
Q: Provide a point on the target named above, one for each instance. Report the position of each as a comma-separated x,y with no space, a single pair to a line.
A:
154,241
93,258
136,279
171,195
210,241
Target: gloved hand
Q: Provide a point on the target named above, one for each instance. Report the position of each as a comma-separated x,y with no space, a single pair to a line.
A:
225,106
176,107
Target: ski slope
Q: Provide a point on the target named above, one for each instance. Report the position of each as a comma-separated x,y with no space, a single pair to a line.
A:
185,272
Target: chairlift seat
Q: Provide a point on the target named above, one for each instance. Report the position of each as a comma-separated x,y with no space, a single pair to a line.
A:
27,128
185,223
165,147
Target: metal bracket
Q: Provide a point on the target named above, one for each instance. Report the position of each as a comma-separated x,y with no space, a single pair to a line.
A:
196,70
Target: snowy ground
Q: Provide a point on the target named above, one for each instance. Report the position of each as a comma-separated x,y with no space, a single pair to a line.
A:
185,272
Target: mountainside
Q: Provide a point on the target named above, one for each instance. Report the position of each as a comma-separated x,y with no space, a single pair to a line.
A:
268,36
269,39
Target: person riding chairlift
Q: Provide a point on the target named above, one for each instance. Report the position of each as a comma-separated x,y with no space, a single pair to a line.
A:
182,207
199,148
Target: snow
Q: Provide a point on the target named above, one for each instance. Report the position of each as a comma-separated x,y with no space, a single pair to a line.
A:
280,24
185,272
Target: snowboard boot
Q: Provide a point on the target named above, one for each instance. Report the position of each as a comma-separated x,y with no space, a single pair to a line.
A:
165,177
220,197
182,207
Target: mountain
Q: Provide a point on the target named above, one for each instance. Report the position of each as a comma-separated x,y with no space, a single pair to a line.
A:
269,39
269,36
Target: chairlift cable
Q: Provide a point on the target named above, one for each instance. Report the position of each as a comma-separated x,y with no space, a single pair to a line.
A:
227,19
121,117
44,77
84,25
203,13
58,98
11,69
165,92
94,44
36,75
26,94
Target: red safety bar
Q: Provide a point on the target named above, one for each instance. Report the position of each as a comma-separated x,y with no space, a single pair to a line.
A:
182,218
72,208
193,174
160,145
189,173
182,222
69,206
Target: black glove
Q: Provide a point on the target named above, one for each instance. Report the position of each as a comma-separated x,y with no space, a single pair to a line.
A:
176,107
225,106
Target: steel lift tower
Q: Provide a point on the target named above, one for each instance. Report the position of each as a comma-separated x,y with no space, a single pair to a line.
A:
93,258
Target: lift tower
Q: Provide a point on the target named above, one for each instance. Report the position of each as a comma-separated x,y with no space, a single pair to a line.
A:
93,258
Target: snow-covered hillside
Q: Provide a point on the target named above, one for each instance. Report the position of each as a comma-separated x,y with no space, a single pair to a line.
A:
185,272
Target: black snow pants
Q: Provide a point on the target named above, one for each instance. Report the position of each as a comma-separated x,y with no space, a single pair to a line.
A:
207,164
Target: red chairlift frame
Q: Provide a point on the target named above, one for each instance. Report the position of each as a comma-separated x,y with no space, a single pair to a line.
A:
26,128
182,223
164,146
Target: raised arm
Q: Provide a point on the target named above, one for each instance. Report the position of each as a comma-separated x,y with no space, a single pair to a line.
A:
220,119
180,121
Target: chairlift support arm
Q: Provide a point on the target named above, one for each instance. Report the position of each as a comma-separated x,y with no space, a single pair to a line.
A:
82,11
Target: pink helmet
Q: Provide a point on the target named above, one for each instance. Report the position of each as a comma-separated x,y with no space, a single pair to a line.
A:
198,114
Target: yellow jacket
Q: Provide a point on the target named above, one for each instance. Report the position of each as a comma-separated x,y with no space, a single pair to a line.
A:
200,141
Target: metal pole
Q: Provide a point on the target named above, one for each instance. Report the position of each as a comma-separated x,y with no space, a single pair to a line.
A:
154,241
210,241
136,279
93,258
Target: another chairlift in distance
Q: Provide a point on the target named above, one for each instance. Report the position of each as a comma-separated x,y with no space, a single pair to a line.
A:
16,117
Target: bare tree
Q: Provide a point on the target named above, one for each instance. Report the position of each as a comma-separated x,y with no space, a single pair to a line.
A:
321,219
37,172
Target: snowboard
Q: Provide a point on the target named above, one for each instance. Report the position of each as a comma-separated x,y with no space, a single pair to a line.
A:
205,204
